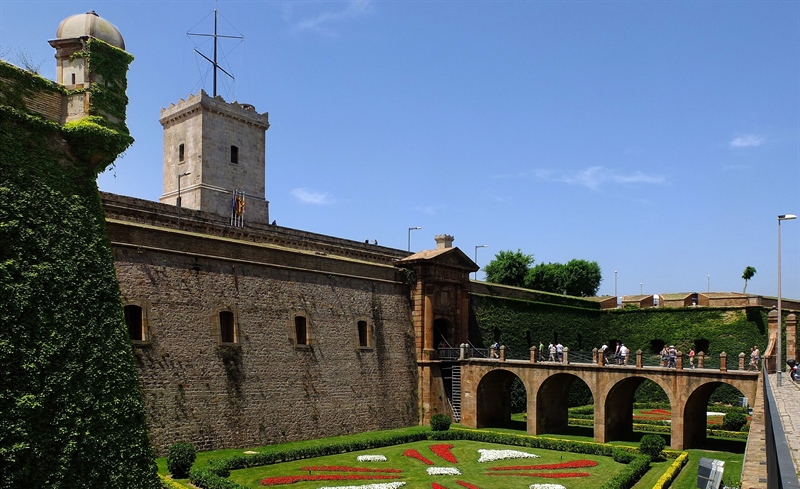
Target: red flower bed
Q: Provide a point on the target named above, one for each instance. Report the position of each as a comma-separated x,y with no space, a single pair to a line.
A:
437,486
575,464
547,475
345,468
415,454
467,485
656,411
443,451
291,479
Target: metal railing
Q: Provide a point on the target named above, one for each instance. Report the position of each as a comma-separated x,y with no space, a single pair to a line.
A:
780,467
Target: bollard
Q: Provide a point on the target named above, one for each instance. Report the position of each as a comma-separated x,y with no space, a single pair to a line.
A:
462,351
679,361
741,360
723,362
502,353
566,355
700,359
533,354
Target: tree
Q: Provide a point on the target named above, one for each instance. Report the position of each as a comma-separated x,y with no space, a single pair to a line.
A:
579,278
548,277
747,275
508,268
582,278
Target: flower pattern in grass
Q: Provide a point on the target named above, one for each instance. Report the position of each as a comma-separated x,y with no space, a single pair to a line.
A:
546,475
492,455
437,486
574,464
383,485
371,458
443,451
415,454
468,485
546,486
345,468
291,479
443,471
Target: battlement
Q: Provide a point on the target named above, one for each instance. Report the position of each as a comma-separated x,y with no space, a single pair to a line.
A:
202,101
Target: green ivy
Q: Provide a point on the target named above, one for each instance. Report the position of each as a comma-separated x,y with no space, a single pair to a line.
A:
92,141
71,409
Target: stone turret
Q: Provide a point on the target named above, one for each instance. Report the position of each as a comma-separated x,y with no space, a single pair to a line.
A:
219,147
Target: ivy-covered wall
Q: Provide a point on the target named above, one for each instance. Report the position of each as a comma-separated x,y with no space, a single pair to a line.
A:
71,410
520,324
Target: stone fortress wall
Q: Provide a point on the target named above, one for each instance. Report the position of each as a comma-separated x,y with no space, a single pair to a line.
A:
263,387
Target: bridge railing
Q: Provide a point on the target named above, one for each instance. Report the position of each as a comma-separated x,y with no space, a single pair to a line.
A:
637,359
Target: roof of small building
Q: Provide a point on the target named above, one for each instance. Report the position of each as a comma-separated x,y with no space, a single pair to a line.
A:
90,24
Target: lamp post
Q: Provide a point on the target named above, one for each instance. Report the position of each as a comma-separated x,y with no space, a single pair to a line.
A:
779,367
476,256
615,288
179,195
409,235
709,283
640,288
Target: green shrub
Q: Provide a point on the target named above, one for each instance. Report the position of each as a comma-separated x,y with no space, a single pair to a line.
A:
180,458
652,445
622,456
734,421
440,422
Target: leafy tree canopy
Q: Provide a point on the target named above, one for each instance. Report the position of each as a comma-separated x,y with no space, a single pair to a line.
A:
509,268
579,278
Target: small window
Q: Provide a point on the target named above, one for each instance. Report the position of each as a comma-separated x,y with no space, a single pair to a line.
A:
226,327
300,330
181,153
134,320
363,334
234,154
73,78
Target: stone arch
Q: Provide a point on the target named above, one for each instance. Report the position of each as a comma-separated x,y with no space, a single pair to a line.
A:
694,413
442,329
493,398
552,403
618,407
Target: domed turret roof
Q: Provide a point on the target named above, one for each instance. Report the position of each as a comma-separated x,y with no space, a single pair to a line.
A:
90,24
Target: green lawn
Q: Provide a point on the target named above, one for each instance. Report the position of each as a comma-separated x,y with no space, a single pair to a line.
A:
415,475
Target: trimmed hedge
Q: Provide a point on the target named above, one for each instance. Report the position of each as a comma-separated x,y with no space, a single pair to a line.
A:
440,422
180,458
214,477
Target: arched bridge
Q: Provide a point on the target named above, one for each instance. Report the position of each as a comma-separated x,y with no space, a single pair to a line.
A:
485,395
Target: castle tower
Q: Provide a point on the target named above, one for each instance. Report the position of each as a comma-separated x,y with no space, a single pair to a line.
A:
211,149
71,37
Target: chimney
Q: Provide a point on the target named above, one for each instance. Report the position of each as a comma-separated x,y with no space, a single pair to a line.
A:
443,241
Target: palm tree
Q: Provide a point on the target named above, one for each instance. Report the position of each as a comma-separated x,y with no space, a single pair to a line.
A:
747,275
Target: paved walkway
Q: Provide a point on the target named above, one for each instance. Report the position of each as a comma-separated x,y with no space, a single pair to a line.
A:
787,398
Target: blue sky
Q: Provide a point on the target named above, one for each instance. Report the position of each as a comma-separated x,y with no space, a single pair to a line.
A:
660,139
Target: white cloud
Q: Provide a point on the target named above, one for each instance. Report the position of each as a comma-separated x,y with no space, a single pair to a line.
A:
307,196
594,176
747,141
353,9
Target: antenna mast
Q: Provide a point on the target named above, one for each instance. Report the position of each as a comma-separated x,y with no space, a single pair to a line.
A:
213,62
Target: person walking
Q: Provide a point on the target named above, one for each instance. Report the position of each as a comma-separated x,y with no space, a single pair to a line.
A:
541,351
560,351
495,349
623,353
691,357
551,348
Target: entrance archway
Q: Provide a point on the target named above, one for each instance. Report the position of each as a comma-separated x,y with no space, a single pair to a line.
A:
494,399
442,331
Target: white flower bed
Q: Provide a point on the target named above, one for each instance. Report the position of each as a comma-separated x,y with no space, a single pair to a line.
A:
371,458
384,485
443,471
492,455
546,486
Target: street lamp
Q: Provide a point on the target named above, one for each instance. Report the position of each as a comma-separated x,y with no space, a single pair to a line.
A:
409,235
476,257
615,288
779,367
184,174
640,288
709,283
